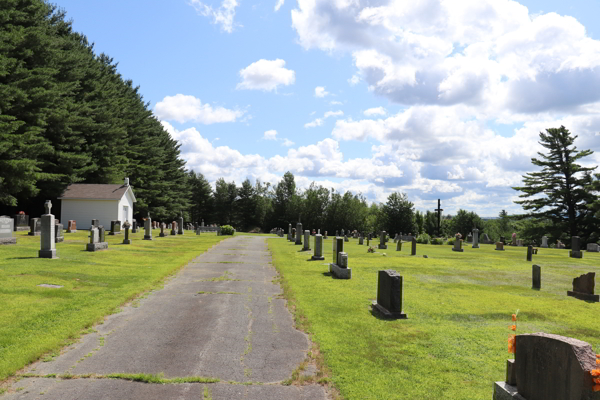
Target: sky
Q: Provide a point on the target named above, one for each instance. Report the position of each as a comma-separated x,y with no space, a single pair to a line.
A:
433,98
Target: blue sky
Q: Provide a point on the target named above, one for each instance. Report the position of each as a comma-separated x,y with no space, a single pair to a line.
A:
435,98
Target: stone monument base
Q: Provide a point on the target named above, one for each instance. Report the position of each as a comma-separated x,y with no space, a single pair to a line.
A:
34,233
584,296
382,246
317,257
459,250
22,228
71,230
10,240
97,246
114,233
146,237
162,234
339,272
475,246
385,313
48,253
126,241
504,391
575,254
59,239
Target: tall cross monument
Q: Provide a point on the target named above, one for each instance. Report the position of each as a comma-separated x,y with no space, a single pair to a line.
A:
439,215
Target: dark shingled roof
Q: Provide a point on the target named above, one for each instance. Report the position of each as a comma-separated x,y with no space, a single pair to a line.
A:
93,191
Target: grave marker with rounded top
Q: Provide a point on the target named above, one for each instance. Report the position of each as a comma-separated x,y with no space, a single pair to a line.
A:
47,239
399,245
148,228
162,230
345,238
389,295
7,226
134,226
298,233
174,228
475,238
529,253
575,248
413,251
306,241
180,231
593,247
360,240
318,254
457,244
544,242
382,244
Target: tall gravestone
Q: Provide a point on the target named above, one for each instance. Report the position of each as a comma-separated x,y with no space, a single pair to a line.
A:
289,232
325,236
544,242
21,222
299,233
529,253
382,244
7,225
475,238
339,266
115,228
306,240
360,240
180,232
35,227
413,251
134,226
162,230
318,251
583,288
389,295
536,277
126,226
575,248
58,233
47,241
174,228
399,245
148,228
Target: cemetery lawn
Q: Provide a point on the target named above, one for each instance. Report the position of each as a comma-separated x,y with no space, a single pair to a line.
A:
454,343
37,321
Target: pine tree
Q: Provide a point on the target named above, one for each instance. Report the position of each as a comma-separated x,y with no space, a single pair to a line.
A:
246,205
558,191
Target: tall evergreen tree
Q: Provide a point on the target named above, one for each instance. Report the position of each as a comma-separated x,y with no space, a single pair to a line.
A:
246,206
558,191
399,213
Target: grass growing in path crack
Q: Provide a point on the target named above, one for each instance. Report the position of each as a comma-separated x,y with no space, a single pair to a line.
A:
453,344
38,321
159,378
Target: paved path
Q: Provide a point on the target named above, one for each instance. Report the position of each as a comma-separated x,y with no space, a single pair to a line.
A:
220,317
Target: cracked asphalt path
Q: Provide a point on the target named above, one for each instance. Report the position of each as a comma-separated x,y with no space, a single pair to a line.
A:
219,317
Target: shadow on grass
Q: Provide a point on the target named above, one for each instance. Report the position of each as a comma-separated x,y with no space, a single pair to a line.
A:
328,274
21,258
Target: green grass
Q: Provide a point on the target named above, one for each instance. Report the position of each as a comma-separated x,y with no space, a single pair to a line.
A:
454,343
37,322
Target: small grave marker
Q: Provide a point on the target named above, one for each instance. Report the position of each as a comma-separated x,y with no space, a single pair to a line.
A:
583,287
389,295
6,230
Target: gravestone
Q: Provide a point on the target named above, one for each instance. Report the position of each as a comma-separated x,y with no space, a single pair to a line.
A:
345,238
126,226
361,240
7,225
475,238
399,245
338,245
470,238
134,226
396,238
339,266
514,240
21,222
575,248
95,222
71,226
457,244
342,232
298,233
289,237
486,239
101,233
337,233
148,228
550,367
536,277
202,223
180,231
382,244
35,227
560,245
500,246
583,287
162,230
389,295
325,236
58,233
115,228
529,253
95,243
593,247
306,246
369,237
413,251
47,240
544,242
173,228
318,254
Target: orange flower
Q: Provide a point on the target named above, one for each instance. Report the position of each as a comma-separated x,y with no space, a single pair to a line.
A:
595,372
514,317
596,388
597,380
513,327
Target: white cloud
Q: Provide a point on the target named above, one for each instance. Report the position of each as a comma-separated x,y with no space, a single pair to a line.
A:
183,108
223,15
354,80
315,123
287,143
320,91
266,75
375,111
338,113
335,103
279,4
270,135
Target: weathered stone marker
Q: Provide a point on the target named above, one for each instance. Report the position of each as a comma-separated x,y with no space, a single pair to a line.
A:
162,230
126,226
575,248
173,228
180,231
95,222
7,225
550,367
35,227
325,236
318,251
48,243
545,242
457,244
71,226
299,233
475,238
115,228
306,246
382,244
134,226
148,228
345,238
399,245
529,253
361,240
583,287
413,250
593,247
536,277
21,222
339,266
499,246
389,295
289,236
58,233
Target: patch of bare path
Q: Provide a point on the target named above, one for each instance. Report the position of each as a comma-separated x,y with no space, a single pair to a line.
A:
220,317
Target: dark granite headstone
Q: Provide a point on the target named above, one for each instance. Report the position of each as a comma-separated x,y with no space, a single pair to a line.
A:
553,367
389,294
115,228
500,246
536,277
95,222
35,227
134,226
413,251
575,248
529,253
58,233
21,222
7,225
583,287
101,233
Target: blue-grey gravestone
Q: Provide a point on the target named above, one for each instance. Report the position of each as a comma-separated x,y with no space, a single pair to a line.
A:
299,233
47,241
